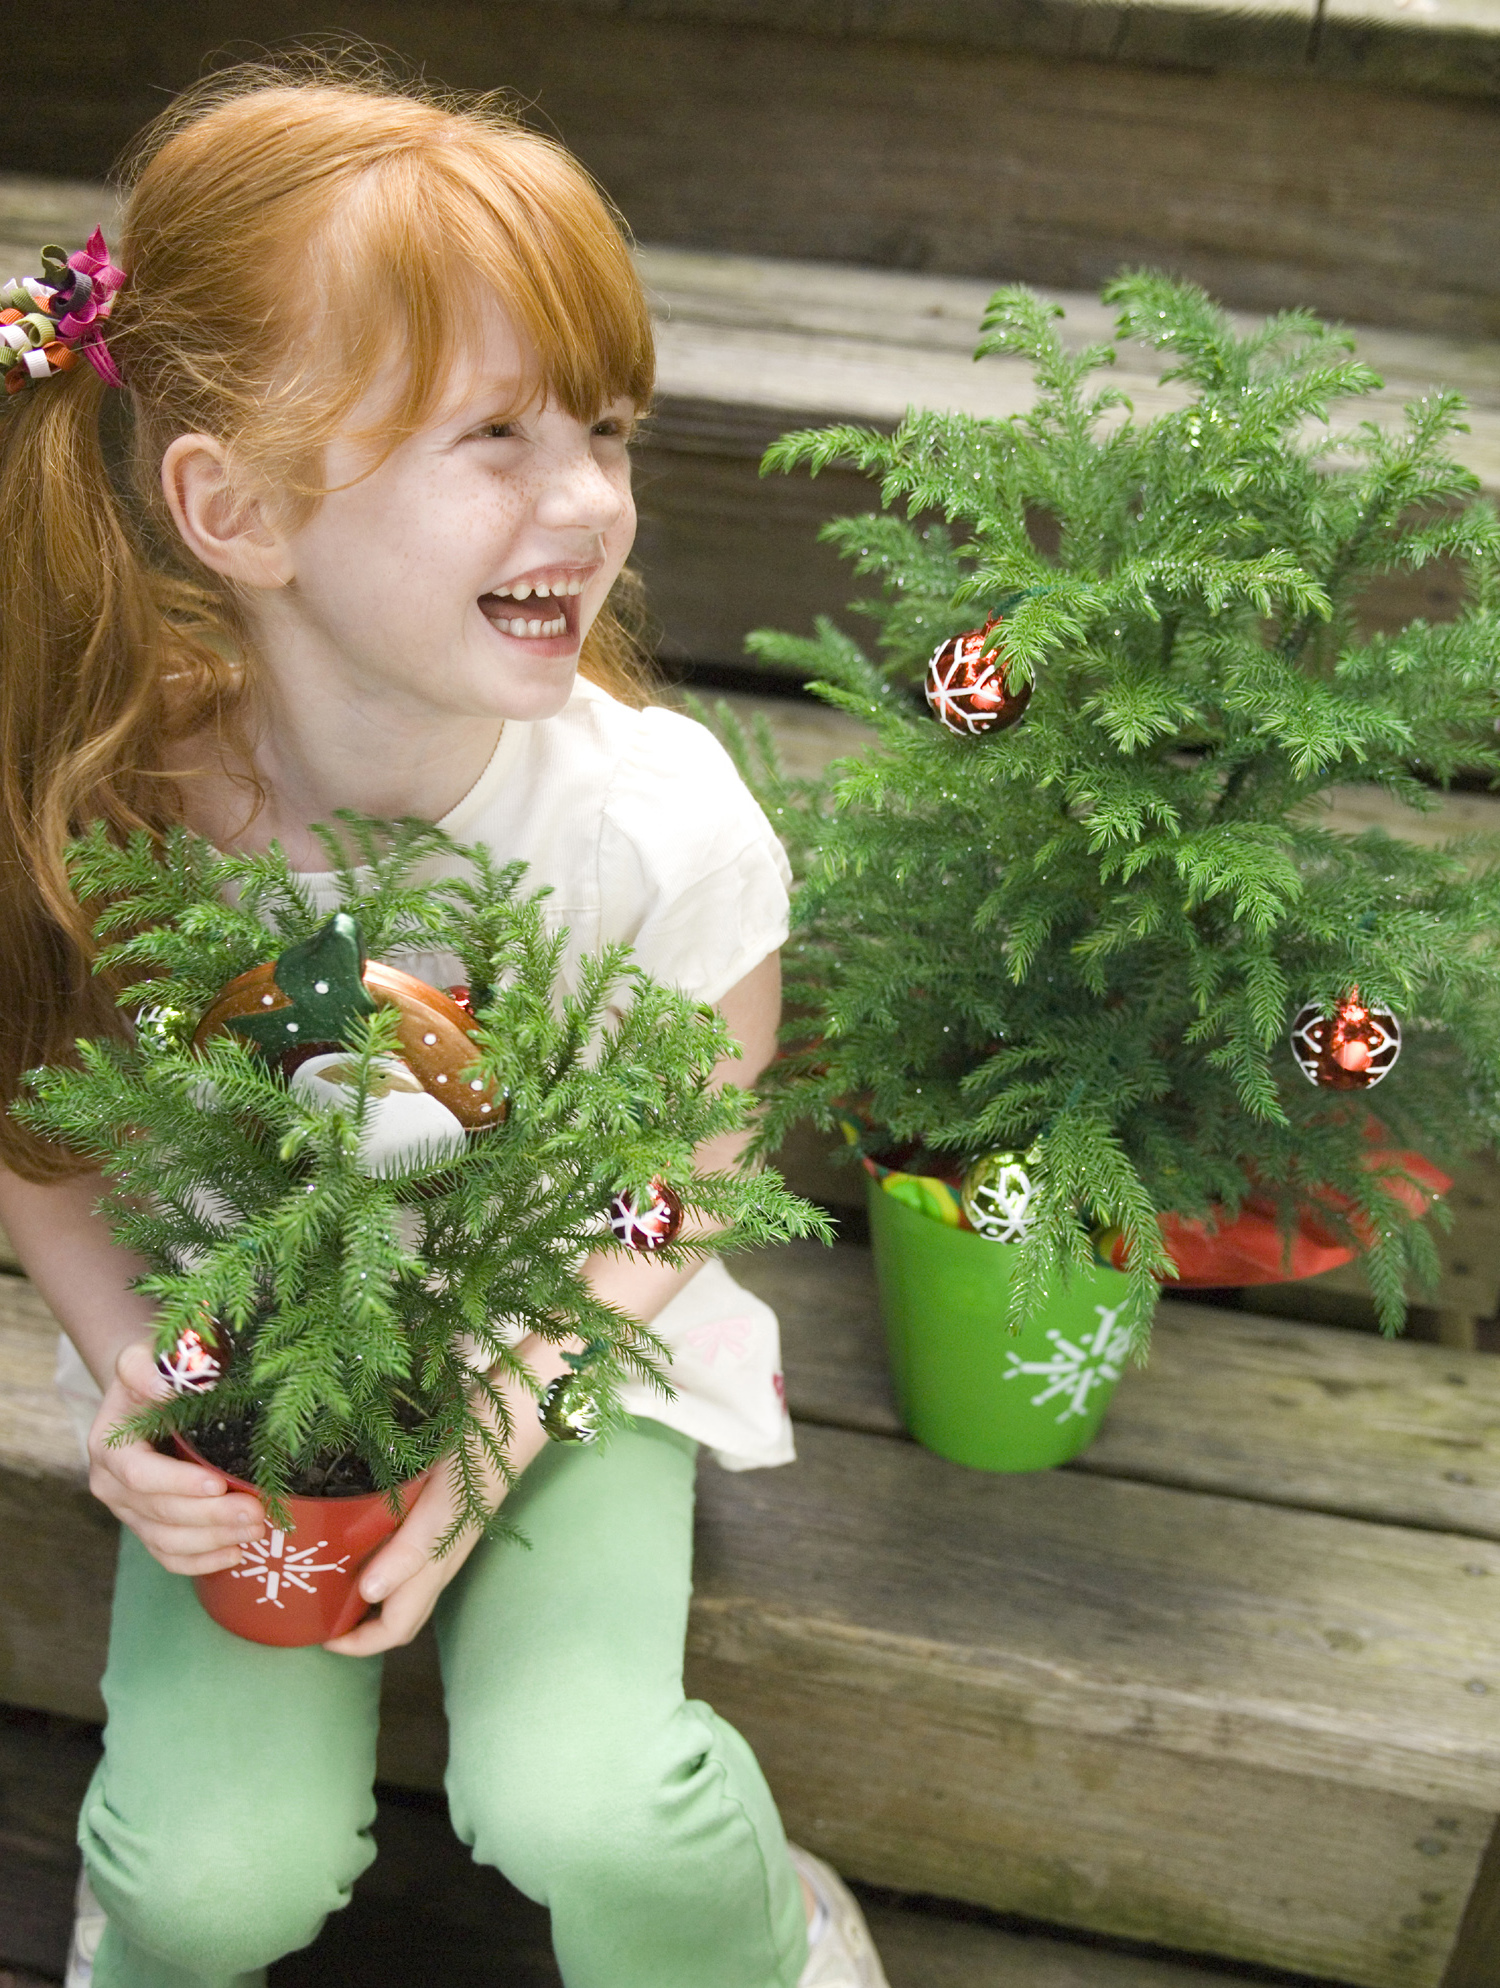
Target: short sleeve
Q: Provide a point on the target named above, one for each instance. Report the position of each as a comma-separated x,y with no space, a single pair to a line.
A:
691,874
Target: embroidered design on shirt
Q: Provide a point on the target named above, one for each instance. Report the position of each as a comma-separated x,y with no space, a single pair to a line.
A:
721,1335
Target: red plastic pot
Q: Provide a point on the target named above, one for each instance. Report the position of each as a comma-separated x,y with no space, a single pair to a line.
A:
1253,1249
301,1586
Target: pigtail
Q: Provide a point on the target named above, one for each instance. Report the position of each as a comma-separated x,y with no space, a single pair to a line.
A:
618,653
82,636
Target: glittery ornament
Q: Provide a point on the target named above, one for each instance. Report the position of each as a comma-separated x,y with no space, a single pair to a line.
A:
569,1411
1349,1050
462,997
968,684
646,1221
162,1027
304,1004
997,1197
191,1366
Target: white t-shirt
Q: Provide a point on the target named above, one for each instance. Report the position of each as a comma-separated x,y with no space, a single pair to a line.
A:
647,836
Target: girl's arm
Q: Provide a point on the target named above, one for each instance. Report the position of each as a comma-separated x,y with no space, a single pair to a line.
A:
185,1515
404,1576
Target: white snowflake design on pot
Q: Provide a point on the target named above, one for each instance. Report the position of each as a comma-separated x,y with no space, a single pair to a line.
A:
279,1566
1078,1366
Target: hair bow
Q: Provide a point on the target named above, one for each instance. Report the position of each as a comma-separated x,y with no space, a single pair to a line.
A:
46,322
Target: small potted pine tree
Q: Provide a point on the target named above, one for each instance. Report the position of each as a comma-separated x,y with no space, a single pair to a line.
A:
357,1191
1081,962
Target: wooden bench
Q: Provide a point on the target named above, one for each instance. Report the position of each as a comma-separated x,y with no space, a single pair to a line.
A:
1230,1684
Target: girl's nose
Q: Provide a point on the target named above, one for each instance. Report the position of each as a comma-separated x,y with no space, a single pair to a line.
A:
578,495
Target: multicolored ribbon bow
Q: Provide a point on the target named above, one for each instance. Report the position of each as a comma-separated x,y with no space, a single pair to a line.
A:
47,321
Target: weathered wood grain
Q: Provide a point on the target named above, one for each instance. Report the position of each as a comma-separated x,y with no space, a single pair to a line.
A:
1024,1670
1203,1626
1195,1719
1043,156
919,1950
750,331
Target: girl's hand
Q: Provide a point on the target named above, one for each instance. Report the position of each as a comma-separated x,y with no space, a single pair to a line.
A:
406,1576
183,1514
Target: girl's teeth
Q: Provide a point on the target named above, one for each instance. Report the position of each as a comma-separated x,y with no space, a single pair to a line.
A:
520,593
519,626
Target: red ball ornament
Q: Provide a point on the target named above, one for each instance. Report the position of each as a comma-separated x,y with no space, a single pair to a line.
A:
192,1367
646,1221
968,684
1349,1050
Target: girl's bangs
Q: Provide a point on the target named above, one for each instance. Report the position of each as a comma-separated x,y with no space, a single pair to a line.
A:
527,228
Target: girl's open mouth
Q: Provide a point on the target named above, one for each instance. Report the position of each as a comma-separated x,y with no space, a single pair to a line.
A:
534,613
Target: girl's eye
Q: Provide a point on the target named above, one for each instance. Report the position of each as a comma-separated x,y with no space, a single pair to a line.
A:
612,425
499,431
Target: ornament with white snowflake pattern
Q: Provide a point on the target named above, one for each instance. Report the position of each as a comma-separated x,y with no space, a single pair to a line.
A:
1349,1050
997,1195
968,683
190,1366
646,1221
1078,1366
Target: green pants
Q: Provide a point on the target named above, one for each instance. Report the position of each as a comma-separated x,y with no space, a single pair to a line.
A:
232,1810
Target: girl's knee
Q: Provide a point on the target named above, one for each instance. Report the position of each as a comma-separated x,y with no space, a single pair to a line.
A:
215,1908
584,1808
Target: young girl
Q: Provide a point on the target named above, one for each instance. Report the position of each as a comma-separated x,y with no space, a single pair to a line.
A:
380,356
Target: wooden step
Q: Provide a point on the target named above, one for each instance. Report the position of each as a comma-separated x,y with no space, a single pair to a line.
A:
424,1895
1232,1684
1332,152
751,346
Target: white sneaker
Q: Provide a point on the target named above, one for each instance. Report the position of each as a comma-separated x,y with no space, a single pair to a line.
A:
88,1931
840,1952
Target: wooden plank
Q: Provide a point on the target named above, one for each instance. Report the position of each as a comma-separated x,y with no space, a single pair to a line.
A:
1270,1410
1475,1960
739,130
752,331
1212,1627
1230,1729
1099,1702
921,1950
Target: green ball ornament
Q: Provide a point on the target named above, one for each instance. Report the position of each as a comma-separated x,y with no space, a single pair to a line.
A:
569,1411
997,1195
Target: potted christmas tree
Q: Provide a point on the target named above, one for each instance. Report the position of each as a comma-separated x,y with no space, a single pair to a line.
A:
1075,933
357,1191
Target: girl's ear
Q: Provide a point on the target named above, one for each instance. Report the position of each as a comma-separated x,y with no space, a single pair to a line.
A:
223,524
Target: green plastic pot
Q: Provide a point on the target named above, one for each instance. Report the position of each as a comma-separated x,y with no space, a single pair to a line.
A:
968,1387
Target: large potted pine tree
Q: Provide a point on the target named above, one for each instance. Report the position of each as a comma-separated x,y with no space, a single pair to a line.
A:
1082,964
356,1191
